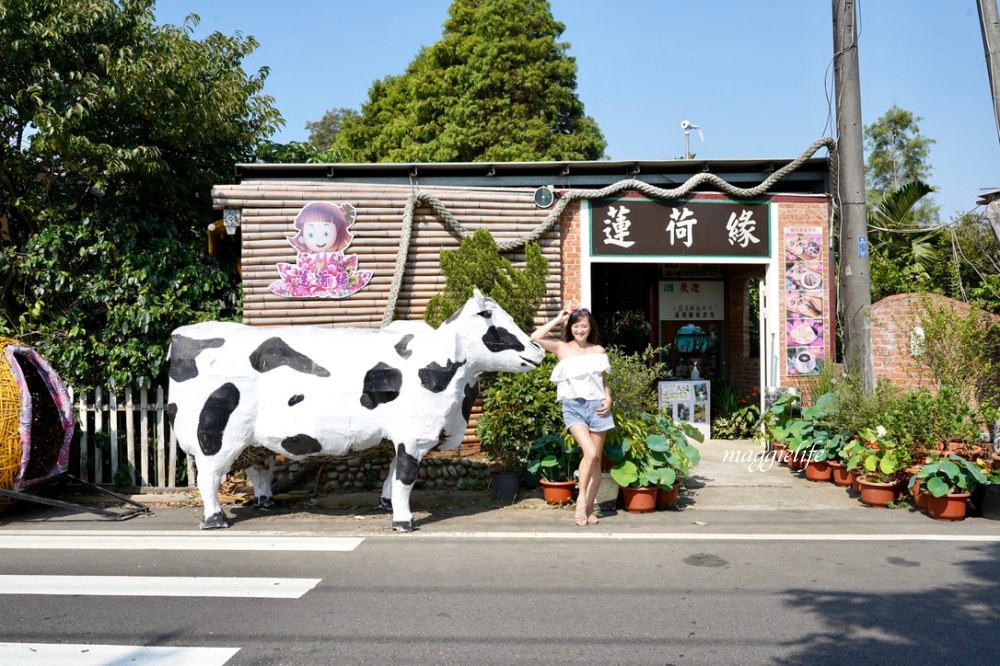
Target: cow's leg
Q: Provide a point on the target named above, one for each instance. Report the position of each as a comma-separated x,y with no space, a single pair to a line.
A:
406,462
260,476
385,500
210,474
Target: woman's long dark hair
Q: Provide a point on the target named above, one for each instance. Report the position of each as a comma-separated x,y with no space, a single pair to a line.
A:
577,315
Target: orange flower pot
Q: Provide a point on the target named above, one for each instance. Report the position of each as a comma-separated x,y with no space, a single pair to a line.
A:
818,472
558,492
639,500
839,474
947,507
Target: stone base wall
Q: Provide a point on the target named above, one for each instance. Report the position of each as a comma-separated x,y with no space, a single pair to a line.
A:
368,473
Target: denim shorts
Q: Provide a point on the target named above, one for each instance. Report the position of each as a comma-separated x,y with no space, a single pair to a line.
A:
579,410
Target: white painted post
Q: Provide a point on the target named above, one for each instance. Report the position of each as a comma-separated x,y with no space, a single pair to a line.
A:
113,432
147,474
98,429
161,439
134,471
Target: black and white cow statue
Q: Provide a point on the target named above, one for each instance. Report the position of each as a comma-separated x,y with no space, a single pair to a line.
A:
301,391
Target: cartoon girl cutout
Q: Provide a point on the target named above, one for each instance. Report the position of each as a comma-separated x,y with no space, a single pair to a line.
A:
322,232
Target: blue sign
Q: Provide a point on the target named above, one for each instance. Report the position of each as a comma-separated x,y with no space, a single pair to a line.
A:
862,246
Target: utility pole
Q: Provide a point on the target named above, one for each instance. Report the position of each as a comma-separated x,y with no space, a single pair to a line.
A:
989,20
855,271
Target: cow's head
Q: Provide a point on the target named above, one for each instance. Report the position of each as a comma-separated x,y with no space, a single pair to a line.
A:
489,340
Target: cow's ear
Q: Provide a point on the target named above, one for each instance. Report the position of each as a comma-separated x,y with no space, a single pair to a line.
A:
480,300
349,213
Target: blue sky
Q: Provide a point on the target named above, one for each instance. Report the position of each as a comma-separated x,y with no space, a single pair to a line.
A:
755,75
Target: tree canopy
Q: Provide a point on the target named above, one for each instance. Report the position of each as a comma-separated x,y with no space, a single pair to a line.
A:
498,86
113,131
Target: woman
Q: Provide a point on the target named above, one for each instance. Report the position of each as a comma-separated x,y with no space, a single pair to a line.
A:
581,379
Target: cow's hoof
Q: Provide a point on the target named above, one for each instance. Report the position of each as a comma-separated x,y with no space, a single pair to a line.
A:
216,521
385,503
403,525
264,502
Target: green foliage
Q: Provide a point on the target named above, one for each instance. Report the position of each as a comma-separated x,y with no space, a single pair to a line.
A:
650,450
880,459
736,413
498,86
946,475
897,152
517,410
554,457
477,264
323,133
960,352
632,380
114,131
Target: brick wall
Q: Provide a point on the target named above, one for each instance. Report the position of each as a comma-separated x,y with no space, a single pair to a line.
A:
893,321
742,368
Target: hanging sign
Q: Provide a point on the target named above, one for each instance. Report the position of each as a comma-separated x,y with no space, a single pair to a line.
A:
679,228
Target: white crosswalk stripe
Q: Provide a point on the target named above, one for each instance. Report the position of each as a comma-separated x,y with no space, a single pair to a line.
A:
165,540
193,587
80,654
159,586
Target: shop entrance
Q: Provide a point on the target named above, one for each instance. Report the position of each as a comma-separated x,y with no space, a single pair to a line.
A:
704,316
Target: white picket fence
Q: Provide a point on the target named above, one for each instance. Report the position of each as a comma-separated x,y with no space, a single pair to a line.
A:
127,440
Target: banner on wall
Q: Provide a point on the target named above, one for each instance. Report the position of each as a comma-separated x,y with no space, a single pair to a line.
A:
804,304
321,268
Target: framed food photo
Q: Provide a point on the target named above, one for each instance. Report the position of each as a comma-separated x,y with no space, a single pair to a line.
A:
805,361
803,276
802,332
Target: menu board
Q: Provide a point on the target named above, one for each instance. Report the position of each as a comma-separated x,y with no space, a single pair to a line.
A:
804,306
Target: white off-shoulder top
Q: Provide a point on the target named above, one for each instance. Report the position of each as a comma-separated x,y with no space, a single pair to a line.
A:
580,376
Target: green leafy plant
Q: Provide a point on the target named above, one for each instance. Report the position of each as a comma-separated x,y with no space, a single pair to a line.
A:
517,409
947,475
554,457
632,380
478,264
880,459
737,413
651,450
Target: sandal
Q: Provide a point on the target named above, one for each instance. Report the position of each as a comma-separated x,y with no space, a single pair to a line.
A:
592,519
581,517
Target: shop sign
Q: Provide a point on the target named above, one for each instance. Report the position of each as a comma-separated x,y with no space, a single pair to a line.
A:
627,226
692,300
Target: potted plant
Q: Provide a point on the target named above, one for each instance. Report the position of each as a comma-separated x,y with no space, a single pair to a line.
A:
881,461
986,496
555,459
517,410
812,442
649,453
948,480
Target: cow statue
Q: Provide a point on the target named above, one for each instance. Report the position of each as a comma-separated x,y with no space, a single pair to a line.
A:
303,391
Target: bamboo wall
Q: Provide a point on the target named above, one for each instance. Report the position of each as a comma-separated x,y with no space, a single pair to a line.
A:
268,209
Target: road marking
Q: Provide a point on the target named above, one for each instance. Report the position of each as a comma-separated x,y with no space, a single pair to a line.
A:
159,586
82,654
702,536
139,540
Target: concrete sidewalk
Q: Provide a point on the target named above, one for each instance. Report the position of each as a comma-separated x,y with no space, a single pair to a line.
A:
727,493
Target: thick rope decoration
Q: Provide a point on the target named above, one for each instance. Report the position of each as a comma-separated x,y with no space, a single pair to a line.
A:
429,200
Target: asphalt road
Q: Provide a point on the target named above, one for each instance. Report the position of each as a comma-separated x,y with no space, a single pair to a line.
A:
807,593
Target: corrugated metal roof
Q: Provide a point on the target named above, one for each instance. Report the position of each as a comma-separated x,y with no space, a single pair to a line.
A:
812,177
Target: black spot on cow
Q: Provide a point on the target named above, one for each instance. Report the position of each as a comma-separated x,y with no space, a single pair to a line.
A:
171,413
435,378
471,393
275,353
382,384
301,445
183,353
215,416
500,339
406,466
402,347
296,399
